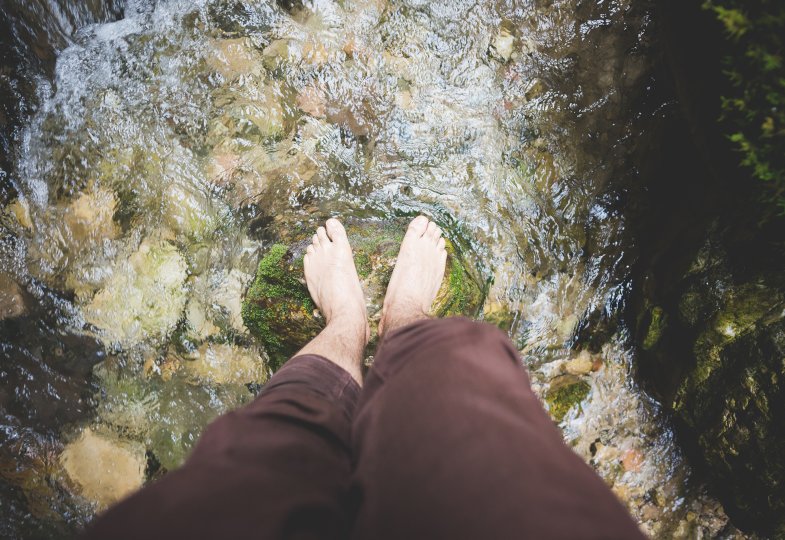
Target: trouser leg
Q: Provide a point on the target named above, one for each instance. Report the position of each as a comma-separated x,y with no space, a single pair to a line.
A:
450,442
277,468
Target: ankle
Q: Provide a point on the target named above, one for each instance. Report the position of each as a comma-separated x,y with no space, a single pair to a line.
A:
354,328
393,319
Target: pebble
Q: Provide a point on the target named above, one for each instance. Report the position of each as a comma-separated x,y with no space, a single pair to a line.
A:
501,47
632,460
12,302
21,211
580,365
311,101
226,364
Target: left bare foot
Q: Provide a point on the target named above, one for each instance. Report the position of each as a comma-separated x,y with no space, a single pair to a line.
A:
335,288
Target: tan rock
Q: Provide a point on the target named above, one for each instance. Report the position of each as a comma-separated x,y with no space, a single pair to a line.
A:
257,116
649,512
222,167
234,57
501,46
196,315
580,365
403,100
314,53
632,460
229,297
606,454
21,211
276,52
311,100
144,298
622,492
12,303
243,174
222,363
89,216
350,46
165,367
105,469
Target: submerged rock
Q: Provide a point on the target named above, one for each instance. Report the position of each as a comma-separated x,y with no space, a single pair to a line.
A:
89,216
12,302
501,46
143,299
221,363
20,210
165,404
104,469
565,393
279,311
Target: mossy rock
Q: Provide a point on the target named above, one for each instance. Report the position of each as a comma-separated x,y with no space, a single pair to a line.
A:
565,393
278,310
731,400
711,340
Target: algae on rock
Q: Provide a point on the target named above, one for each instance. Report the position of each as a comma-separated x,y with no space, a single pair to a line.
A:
565,393
713,350
731,399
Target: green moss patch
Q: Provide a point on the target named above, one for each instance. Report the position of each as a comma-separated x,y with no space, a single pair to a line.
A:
565,393
277,307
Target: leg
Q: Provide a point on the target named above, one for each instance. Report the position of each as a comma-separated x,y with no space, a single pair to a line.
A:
279,467
450,442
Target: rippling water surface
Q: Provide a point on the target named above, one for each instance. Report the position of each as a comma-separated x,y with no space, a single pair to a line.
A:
172,144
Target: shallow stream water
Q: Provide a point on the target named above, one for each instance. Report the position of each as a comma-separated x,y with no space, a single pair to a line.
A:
169,146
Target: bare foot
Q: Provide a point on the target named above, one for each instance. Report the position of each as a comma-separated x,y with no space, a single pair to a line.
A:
417,276
335,288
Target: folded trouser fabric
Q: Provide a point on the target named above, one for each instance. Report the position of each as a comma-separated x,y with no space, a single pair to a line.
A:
445,440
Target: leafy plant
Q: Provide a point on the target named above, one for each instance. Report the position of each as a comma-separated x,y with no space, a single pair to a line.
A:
754,109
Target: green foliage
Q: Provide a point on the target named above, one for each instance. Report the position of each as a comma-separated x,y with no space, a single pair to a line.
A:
755,108
735,21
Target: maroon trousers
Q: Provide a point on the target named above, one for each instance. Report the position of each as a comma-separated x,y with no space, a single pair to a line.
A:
445,440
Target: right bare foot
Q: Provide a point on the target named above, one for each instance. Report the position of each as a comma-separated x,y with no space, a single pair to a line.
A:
417,276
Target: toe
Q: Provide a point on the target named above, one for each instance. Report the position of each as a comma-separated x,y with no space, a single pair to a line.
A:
442,244
315,240
335,230
431,229
418,226
321,232
436,234
309,250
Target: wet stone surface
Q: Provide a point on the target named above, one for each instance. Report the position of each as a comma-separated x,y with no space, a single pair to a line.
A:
726,389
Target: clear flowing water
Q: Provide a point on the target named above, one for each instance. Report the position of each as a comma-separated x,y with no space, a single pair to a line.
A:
172,143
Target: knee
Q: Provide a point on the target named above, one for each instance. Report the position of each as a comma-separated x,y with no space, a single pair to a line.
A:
480,334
